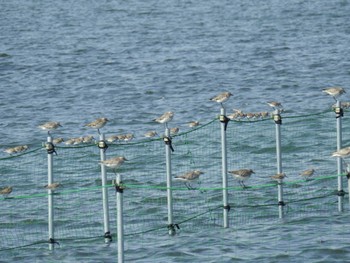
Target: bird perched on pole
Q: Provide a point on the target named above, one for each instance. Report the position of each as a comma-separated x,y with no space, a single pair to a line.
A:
97,124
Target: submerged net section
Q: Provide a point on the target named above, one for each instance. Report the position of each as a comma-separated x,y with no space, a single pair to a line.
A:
307,143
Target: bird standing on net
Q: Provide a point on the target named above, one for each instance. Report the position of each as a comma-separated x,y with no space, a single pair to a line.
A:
242,175
278,177
6,191
16,149
307,173
189,177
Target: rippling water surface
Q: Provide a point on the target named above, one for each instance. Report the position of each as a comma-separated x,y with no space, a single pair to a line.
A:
130,61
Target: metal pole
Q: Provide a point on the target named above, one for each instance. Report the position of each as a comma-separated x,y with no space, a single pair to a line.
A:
107,235
49,146
168,146
278,122
224,166
339,115
120,224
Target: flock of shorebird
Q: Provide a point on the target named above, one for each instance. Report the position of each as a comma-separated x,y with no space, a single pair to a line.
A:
191,176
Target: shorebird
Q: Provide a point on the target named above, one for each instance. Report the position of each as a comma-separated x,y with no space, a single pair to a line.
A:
88,138
242,175
6,191
278,177
70,141
342,153
128,137
222,97
114,162
52,186
335,92
165,118
174,131
189,177
193,124
50,126
57,140
275,104
97,124
112,138
307,173
17,149
150,134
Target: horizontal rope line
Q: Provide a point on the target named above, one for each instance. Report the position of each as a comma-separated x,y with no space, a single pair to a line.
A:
136,186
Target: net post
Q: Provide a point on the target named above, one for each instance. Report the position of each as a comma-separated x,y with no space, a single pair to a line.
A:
168,149
120,223
103,146
51,229
339,115
278,122
223,120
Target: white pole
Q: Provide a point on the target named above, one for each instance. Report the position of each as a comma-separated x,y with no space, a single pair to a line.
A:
339,115
168,149
278,122
223,120
50,151
120,223
107,235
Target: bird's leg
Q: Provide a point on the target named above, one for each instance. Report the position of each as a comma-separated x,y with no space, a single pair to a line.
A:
189,186
98,130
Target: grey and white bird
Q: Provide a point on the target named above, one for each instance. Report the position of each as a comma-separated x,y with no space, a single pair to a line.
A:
165,118
52,186
174,131
192,124
189,177
114,162
50,126
57,140
16,149
222,97
97,124
335,92
278,177
342,153
88,138
242,175
275,104
307,173
150,134
6,191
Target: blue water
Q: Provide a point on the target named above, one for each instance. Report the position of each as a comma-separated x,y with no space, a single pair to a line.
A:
130,61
